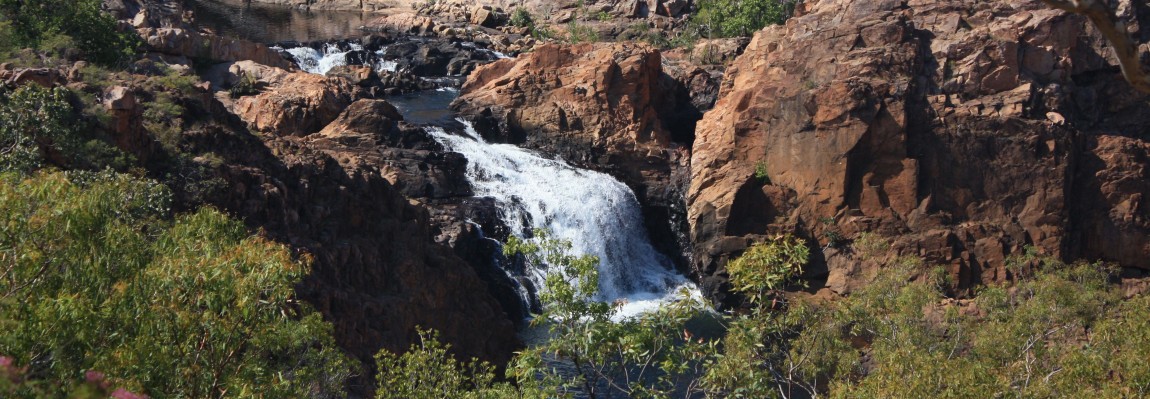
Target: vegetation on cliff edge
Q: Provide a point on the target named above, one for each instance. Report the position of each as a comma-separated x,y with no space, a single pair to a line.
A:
1058,331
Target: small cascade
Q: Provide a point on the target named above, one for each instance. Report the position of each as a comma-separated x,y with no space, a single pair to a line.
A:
319,62
599,216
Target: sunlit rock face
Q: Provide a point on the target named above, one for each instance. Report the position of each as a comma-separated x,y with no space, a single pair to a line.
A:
963,130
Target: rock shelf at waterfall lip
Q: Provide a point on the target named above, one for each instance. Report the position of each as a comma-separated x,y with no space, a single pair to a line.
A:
450,58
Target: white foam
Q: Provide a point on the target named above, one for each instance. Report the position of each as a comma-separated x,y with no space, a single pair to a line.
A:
319,62
599,216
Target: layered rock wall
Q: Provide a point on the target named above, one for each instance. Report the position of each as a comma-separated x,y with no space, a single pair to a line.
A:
965,131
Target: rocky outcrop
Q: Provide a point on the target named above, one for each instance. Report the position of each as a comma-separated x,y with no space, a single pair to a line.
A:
603,106
288,103
964,131
405,23
335,5
423,171
188,43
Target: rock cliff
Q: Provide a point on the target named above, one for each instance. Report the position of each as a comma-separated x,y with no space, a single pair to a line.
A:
963,130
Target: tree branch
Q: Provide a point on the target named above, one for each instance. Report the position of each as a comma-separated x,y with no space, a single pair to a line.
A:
1114,30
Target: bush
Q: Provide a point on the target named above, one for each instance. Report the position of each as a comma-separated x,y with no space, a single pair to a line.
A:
729,18
427,371
97,277
579,33
522,18
34,121
1061,331
94,33
767,267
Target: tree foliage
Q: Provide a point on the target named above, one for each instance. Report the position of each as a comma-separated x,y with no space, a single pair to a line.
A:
94,32
728,18
34,120
93,276
1058,331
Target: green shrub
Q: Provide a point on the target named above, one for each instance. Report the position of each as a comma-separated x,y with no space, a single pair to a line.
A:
522,18
579,33
1060,331
427,371
728,18
245,87
34,121
761,173
93,32
768,267
96,277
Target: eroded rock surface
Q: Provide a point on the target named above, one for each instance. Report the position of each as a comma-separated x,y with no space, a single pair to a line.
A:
963,130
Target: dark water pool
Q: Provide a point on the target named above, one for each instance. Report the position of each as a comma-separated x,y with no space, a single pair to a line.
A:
429,107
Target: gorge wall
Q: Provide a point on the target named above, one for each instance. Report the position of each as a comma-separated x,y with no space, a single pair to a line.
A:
963,130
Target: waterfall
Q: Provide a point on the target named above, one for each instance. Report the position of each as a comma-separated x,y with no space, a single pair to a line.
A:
599,216
315,61
319,62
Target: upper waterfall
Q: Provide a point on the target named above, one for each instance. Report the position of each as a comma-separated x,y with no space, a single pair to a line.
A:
599,215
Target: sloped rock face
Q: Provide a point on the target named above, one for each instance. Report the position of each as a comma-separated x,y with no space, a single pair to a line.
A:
602,106
963,130
288,103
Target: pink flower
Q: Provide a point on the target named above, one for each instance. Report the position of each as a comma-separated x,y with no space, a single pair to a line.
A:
93,376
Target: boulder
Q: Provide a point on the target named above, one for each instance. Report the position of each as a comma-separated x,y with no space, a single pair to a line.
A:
403,23
44,77
291,103
488,17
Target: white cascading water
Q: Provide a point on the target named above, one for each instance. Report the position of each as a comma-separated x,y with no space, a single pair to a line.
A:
596,213
319,62
315,61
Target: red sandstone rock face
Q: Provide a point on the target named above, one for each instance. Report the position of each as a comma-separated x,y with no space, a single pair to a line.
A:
963,130
599,95
289,103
